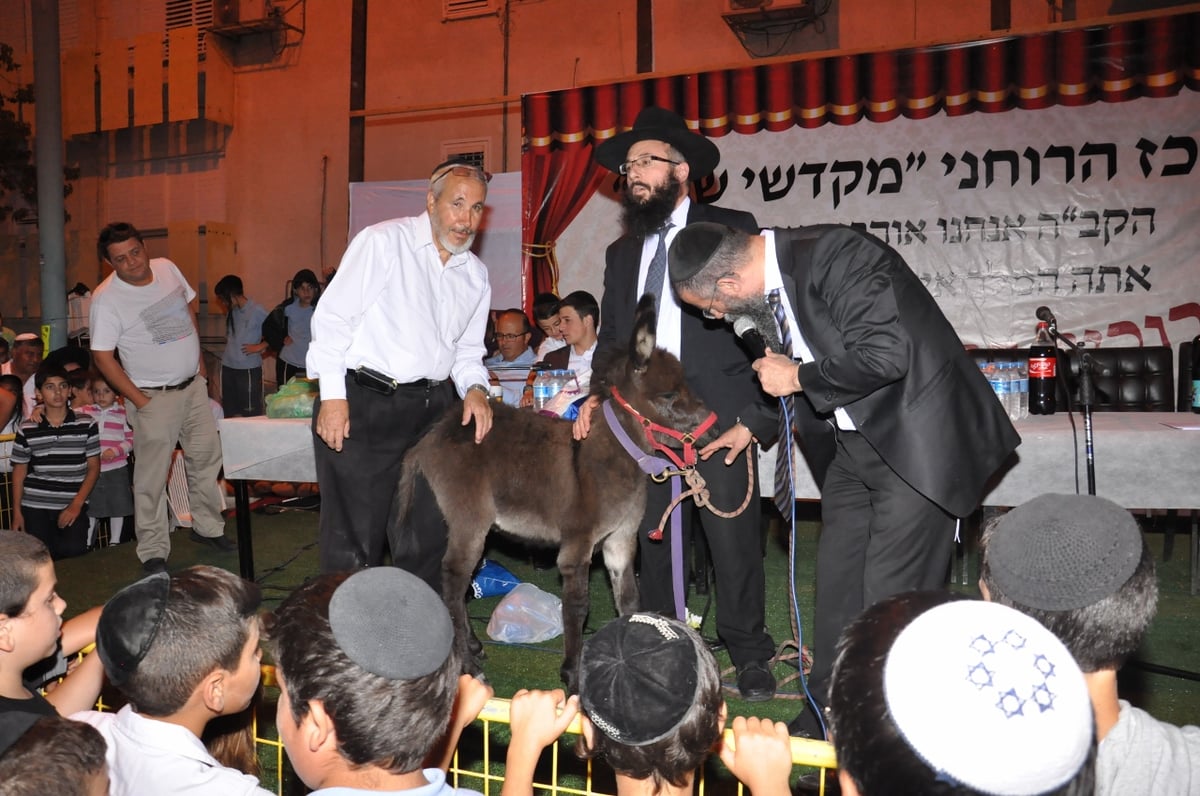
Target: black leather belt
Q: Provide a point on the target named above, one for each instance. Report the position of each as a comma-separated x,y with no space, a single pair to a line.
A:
385,385
170,387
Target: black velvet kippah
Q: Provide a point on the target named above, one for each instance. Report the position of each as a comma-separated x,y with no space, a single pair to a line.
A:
692,248
1062,552
391,623
638,678
128,625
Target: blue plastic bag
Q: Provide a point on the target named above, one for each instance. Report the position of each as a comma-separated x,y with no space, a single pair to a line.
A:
492,580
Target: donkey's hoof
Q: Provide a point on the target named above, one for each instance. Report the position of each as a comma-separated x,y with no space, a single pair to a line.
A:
570,677
475,647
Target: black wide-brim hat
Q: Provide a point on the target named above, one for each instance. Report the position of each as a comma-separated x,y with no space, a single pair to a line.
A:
660,124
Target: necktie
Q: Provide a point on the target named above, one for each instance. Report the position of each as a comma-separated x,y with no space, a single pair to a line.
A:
658,266
784,495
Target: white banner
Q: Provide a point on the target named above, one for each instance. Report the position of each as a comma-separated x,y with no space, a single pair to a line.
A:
1093,212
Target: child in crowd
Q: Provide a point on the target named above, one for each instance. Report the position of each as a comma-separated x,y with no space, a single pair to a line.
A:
936,695
241,362
367,681
50,754
650,694
183,649
80,383
56,462
112,498
33,635
1079,565
288,329
545,315
11,405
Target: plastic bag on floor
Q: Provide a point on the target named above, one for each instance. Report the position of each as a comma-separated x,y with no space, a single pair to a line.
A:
526,615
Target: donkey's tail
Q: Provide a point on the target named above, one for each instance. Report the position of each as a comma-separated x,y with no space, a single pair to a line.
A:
409,473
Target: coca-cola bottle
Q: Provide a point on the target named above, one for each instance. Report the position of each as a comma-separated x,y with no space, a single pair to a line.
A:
1196,374
1043,367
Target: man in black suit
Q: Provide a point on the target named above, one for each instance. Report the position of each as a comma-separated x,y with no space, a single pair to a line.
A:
897,424
659,156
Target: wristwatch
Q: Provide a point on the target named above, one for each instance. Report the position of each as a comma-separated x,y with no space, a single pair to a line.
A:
481,388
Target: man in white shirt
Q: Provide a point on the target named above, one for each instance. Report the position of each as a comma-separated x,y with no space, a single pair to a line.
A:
142,311
578,320
406,315
513,356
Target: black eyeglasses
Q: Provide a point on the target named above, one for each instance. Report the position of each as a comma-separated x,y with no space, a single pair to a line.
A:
643,162
506,337
461,170
708,313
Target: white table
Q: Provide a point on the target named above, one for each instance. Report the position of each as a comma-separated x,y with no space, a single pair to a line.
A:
1141,462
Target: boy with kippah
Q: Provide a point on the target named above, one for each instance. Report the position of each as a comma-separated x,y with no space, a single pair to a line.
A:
1079,565
183,649
940,696
32,634
650,695
367,683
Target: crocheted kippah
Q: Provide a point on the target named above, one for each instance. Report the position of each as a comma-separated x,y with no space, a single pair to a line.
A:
638,678
1061,552
989,699
128,624
391,623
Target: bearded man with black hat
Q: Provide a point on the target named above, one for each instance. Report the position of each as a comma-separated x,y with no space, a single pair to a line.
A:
899,428
659,157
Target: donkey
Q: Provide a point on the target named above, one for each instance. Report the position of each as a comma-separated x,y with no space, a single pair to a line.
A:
531,479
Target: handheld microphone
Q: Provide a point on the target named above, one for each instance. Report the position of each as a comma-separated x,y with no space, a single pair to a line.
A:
1044,314
744,328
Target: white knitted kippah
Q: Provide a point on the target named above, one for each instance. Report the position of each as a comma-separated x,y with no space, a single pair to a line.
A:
989,698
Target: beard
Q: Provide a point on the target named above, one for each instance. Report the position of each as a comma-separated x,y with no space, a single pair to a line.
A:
642,218
448,246
760,313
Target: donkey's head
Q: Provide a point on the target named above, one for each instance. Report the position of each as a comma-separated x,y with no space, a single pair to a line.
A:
649,385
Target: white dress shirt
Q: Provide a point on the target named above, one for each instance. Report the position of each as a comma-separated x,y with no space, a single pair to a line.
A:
670,317
773,280
395,308
147,757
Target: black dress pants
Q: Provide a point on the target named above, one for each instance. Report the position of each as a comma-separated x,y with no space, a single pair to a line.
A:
879,537
358,483
735,547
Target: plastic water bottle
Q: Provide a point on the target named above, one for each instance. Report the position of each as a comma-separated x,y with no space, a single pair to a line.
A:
543,389
1023,389
1013,384
1043,367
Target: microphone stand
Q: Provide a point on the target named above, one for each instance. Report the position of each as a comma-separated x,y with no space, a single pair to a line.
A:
1087,397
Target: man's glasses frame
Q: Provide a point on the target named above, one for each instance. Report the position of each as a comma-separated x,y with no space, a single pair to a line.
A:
461,170
506,337
643,162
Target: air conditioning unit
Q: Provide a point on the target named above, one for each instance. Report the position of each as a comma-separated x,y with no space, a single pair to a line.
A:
743,6
236,12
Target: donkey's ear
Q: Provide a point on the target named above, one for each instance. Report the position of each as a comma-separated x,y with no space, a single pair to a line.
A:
645,324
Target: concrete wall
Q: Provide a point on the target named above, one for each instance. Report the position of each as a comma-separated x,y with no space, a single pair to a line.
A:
279,174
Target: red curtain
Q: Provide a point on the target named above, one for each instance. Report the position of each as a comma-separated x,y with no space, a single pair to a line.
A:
1113,63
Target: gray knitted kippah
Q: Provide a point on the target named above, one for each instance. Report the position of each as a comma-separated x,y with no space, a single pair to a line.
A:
1062,552
391,623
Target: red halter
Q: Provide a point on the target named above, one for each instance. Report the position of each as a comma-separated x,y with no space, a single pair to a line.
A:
651,428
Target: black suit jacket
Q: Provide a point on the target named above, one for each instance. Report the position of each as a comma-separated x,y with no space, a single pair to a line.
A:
559,358
716,366
885,353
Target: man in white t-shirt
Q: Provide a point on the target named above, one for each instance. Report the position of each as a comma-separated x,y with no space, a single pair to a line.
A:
142,311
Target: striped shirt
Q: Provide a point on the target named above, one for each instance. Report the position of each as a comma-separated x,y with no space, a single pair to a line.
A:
57,458
115,433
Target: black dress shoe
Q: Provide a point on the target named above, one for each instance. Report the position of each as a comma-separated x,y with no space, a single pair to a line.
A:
755,682
152,565
221,542
806,726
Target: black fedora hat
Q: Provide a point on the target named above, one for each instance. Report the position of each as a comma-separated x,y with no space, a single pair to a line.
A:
660,124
